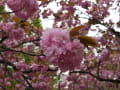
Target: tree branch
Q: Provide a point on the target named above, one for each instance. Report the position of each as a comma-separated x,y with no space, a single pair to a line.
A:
26,79
97,77
25,42
19,51
98,68
6,12
8,63
3,39
14,67
3,87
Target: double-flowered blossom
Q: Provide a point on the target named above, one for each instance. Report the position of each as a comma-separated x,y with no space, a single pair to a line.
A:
104,55
22,66
23,8
60,50
12,32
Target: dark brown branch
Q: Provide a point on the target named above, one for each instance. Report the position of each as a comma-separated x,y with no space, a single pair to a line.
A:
6,12
114,32
3,39
3,87
98,68
10,11
26,79
19,51
111,29
14,67
5,62
97,77
26,42
8,63
59,76
117,34
30,70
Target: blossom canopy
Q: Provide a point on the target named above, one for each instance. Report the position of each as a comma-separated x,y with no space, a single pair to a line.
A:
60,50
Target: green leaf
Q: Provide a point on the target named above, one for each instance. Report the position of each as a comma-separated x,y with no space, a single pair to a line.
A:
37,23
28,59
2,8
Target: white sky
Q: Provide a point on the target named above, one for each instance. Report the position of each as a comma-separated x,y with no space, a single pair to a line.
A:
47,23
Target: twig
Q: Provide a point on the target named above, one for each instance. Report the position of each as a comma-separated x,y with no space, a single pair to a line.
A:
3,87
25,42
97,77
26,79
8,63
98,68
6,12
3,39
19,51
59,76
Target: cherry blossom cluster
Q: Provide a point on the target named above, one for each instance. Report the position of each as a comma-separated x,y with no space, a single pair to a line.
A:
12,32
23,9
60,50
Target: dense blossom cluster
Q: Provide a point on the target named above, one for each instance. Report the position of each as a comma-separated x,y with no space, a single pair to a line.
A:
104,55
43,84
23,8
12,32
60,50
22,66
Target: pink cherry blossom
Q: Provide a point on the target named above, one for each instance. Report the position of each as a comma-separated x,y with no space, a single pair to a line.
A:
104,55
23,8
60,50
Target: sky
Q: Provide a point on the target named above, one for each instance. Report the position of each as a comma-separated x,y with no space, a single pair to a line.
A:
47,23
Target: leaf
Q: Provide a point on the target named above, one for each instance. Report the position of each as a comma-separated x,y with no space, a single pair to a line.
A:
97,1
37,23
57,15
88,41
75,31
69,14
25,23
28,59
2,8
16,19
